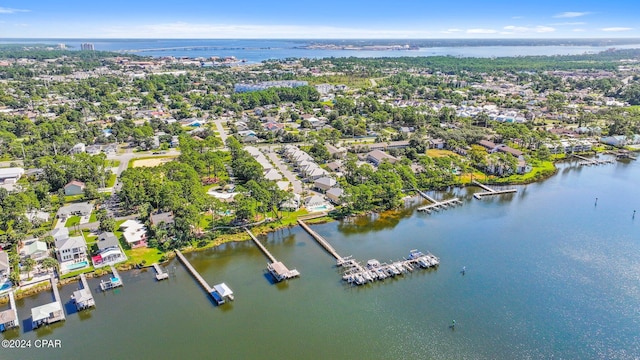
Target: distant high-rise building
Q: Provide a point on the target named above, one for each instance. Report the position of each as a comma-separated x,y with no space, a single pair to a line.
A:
87,46
62,46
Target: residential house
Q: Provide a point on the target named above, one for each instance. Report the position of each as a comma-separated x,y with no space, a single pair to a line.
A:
316,203
11,174
377,156
616,140
109,251
316,173
5,266
336,152
436,144
78,148
60,233
291,204
77,209
335,195
74,187
324,183
35,249
37,215
71,249
249,139
164,219
93,149
135,233
273,174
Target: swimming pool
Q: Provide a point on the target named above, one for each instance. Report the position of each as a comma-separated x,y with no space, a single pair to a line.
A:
318,208
5,286
76,266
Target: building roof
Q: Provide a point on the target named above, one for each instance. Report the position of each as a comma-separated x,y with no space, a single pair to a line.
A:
73,242
165,217
107,240
60,233
335,191
510,150
326,181
75,182
223,289
11,172
131,223
380,155
4,260
44,311
34,247
7,316
82,208
272,174
82,295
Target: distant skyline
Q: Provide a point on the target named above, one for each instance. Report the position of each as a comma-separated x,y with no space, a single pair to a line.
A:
372,19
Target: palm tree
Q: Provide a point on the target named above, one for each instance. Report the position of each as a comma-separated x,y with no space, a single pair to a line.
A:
50,263
29,264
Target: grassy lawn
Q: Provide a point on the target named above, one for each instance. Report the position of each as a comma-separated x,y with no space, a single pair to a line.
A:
112,180
358,82
78,272
112,163
441,153
92,218
148,255
72,198
133,161
72,221
540,170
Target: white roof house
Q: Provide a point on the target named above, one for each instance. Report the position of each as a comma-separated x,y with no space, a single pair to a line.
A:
13,173
45,311
272,174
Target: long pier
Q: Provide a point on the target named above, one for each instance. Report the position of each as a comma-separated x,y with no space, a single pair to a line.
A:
489,191
56,295
322,242
435,204
218,293
276,268
590,162
160,274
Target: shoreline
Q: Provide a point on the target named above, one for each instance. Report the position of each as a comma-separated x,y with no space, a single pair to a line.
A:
263,230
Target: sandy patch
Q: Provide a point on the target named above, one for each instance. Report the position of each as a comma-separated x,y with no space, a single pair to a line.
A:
151,162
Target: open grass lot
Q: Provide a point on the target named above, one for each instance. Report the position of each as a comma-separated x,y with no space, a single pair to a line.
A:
440,153
151,161
143,255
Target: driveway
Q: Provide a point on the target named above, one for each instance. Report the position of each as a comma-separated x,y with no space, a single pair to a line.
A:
297,185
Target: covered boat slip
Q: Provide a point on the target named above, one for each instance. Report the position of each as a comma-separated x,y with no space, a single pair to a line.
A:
221,293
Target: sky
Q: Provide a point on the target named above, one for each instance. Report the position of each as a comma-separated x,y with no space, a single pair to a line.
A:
328,19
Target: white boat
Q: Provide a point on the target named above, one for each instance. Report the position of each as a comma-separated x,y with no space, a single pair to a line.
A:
366,276
373,263
381,274
415,254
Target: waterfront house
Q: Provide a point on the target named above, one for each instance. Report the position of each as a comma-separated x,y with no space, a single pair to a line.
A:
162,220
315,202
35,249
71,249
292,204
74,187
109,251
134,233
335,195
5,266
324,183
617,140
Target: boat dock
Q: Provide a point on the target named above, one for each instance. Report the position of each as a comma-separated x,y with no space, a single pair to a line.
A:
358,274
114,282
83,297
9,317
160,274
48,313
219,292
489,191
435,204
276,268
322,242
589,162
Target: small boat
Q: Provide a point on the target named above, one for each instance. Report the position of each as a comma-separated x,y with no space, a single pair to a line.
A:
373,263
415,254
381,274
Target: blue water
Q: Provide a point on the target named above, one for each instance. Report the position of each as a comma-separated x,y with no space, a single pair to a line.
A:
76,266
258,50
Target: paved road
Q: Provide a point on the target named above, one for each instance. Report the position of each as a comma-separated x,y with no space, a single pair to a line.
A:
297,185
221,130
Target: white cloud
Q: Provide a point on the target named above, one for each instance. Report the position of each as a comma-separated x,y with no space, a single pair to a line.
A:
481,31
451,31
616,29
524,29
4,10
517,17
578,30
237,31
574,23
571,14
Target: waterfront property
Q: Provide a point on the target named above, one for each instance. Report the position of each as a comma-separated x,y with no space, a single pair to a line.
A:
48,313
83,298
220,293
9,317
135,233
109,251
160,273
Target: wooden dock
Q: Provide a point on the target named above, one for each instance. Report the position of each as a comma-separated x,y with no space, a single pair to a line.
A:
322,242
9,317
114,282
216,295
489,191
590,162
83,297
276,268
437,205
357,274
160,274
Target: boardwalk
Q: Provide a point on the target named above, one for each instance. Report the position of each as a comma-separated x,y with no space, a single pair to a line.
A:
160,274
435,204
321,241
218,292
590,162
489,191
276,268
